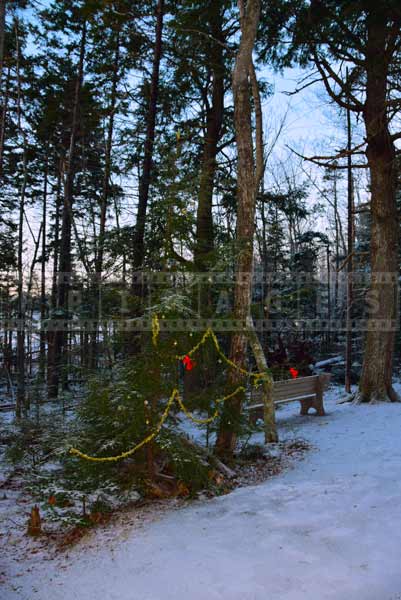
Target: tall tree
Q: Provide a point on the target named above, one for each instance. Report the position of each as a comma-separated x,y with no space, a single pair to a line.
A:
64,262
250,172
145,177
204,240
365,38
383,37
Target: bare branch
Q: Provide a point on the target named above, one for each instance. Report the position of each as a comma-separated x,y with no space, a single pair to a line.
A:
319,161
208,36
321,64
303,87
341,153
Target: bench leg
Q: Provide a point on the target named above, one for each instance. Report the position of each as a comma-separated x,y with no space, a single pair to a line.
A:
305,406
320,411
318,403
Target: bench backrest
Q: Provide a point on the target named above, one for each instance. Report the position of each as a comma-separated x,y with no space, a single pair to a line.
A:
294,388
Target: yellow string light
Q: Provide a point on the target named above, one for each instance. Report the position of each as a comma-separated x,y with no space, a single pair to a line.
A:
155,329
146,440
209,333
175,395
216,412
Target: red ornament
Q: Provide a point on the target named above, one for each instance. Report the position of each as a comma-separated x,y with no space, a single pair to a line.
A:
188,363
294,373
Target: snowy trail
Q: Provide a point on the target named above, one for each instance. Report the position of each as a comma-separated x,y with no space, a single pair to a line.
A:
330,528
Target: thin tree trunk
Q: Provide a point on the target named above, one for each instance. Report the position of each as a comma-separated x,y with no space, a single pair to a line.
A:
105,200
269,413
36,242
144,183
336,222
376,378
20,397
56,248
350,265
42,351
329,313
266,285
4,108
2,37
63,282
52,381
214,119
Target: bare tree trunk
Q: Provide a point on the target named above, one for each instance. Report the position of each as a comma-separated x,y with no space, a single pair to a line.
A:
350,265
214,119
329,313
250,173
105,200
4,90
20,398
266,285
336,222
139,233
64,263
51,338
4,109
376,378
42,350
2,37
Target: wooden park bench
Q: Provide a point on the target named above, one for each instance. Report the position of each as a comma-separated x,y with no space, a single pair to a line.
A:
306,390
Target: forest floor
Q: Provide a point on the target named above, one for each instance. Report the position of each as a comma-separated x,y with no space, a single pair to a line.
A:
329,528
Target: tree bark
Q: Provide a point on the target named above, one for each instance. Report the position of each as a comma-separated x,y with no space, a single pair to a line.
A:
64,263
249,176
376,378
2,37
214,119
4,90
144,183
42,351
350,265
3,110
52,381
20,397
269,413
105,199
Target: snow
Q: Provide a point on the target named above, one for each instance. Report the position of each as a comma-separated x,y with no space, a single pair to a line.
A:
328,529
336,360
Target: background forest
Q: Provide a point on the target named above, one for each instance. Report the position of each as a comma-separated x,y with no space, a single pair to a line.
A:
124,206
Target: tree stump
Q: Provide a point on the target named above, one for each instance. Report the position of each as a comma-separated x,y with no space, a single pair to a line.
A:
34,522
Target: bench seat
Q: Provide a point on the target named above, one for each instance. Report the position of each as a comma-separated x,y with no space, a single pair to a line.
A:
306,390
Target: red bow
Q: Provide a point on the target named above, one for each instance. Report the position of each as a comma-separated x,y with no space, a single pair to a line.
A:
188,363
294,372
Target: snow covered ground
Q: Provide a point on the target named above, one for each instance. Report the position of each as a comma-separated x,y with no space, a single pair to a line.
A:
328,529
